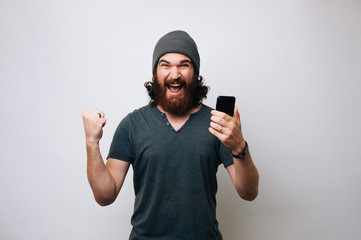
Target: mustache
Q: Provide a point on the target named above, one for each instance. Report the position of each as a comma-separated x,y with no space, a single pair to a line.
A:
175,81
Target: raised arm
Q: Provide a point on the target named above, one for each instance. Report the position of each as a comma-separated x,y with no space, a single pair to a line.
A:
243,172
105,180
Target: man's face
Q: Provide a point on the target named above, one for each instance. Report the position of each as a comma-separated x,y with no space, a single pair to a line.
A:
176,81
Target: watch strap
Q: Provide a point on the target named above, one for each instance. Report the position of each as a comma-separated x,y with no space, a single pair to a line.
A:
242,154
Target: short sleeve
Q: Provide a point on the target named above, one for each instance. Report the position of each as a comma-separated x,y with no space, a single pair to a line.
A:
225,155
121,146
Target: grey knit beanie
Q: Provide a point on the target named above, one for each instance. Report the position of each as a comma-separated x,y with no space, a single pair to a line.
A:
177,42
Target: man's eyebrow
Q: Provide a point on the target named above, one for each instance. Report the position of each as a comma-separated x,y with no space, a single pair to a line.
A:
186,61
162,60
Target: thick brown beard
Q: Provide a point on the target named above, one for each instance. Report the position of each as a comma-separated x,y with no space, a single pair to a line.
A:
176,105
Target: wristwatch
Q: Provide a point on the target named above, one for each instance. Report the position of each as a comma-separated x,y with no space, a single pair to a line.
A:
242,154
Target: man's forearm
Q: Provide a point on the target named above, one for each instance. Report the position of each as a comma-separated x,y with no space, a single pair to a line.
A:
100,180
246,177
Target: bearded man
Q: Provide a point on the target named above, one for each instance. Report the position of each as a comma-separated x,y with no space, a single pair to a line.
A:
175,145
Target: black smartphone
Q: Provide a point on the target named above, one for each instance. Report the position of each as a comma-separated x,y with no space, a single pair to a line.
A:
226,104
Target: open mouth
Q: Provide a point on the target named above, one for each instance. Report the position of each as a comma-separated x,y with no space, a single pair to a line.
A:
175,87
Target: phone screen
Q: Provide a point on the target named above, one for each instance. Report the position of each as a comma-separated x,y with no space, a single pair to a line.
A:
226,104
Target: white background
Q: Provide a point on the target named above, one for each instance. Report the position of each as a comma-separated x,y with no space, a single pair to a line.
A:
294,67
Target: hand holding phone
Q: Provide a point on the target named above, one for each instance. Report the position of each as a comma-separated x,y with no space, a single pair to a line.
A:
226,104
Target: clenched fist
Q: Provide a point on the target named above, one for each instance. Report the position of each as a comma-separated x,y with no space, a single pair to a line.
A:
94,122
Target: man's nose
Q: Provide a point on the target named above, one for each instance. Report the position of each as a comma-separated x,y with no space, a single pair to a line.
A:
174,73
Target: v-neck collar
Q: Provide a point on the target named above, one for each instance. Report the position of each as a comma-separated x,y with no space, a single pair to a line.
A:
164,118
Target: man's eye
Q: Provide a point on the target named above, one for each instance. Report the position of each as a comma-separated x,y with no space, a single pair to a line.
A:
185,65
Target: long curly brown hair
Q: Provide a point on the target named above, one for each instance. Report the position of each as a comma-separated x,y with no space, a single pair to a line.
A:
201,91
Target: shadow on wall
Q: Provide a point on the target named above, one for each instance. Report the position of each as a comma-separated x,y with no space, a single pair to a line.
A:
230,208
241,219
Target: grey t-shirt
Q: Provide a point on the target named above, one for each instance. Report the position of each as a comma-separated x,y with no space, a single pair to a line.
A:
174,176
